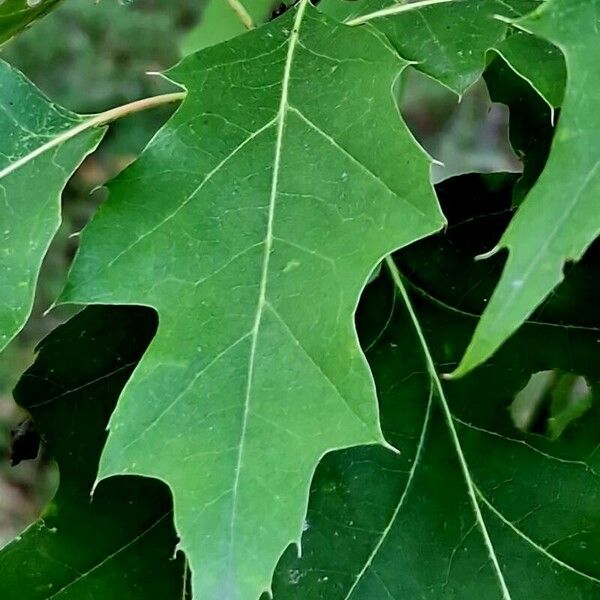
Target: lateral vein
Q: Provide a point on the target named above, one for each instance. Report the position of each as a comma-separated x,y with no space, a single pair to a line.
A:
396,277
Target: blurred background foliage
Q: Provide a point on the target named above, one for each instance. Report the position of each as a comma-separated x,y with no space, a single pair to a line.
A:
90,56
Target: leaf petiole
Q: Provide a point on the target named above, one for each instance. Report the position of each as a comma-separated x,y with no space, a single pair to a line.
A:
93,121
394,9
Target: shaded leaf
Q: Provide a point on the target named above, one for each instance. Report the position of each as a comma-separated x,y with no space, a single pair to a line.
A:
15,15
472,508
37,156
538,62
479,208
529,76
531,126
251,223
560,217
121,542
447,41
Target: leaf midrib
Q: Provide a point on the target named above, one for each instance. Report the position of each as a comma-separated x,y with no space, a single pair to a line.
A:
268,244
474,492
437,384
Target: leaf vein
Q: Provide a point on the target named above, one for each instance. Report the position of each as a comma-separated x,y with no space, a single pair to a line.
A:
339,147
396,512
536,546
397,279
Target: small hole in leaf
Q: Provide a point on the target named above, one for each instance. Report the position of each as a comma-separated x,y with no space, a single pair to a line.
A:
550,402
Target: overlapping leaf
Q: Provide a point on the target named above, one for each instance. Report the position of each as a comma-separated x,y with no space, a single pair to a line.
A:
15,15
532,121
119,544
251,223
37,155
471,508
447,40
561,216
529,76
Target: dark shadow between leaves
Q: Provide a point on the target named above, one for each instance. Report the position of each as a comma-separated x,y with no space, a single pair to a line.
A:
121,541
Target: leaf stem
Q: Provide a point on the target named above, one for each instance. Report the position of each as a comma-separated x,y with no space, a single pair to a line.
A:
394,10
92,121
243,15
131,108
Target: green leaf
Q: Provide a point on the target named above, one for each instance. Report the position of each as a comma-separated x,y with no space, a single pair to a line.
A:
471,508
531,121
559,218
529,76
479,210
447,40
39,150
15,15
219,23
119,543
539,63
251,223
